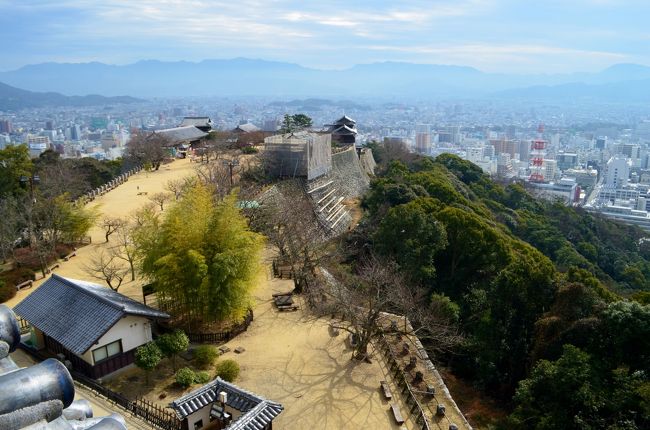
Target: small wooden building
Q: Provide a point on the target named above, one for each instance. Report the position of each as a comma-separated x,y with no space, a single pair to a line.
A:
220,405
95,328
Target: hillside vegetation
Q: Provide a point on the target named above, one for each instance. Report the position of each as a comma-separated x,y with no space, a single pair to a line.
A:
543,291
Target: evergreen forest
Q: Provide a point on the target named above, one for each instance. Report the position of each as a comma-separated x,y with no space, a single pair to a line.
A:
552,301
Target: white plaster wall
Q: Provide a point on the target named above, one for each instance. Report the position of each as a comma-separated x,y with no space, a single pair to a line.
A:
201,414
132,330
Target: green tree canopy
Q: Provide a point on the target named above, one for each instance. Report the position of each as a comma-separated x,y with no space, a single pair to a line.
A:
201,256
412,236
297,122
172,344
147,357
14,163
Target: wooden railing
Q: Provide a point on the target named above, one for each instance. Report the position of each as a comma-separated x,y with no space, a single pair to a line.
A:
402,383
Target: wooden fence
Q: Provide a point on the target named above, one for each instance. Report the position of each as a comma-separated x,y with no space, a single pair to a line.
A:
224,336
151,413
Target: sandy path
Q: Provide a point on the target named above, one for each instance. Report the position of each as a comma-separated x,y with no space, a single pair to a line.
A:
291,358
122,201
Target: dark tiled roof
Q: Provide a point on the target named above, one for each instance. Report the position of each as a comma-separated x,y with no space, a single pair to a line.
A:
344,129
199,121
247,128
77,313
256,411
182,134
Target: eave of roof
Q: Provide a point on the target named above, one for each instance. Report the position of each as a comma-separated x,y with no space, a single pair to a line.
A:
77,313
257,412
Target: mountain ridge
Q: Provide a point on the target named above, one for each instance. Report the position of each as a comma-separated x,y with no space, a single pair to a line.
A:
12,98
257,77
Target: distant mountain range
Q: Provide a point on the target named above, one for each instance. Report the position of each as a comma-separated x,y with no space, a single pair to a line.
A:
248,77
12,98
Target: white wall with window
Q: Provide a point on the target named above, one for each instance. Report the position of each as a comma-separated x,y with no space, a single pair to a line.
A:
128,333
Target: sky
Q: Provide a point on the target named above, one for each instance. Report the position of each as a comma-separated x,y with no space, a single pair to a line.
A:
505,36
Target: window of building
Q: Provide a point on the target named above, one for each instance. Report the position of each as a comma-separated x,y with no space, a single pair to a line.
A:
198,425
107,351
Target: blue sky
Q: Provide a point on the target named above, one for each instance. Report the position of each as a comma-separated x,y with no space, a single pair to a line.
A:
544,36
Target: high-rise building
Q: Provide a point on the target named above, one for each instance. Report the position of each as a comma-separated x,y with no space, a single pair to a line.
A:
550,169
6,126
566,160
601,142
75,132
423,138
37,144
618,172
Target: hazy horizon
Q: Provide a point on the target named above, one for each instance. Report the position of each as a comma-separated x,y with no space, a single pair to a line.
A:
493,36
349,66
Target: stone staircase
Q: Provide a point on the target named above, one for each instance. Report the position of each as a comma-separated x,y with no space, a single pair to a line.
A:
328,204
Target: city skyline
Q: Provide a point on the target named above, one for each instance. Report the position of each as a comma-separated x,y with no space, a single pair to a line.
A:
490,35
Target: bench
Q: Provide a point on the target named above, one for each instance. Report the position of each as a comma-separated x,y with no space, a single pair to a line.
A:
69,256
26,284
143,193
283,308
289,293
386,389
397,414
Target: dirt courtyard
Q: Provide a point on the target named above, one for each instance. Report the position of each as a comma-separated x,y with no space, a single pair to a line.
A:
292,358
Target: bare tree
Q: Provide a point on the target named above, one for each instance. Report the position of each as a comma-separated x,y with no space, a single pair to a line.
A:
148,149
125,248
217,174
111,225
287,218
177,187
360,300
106,267
10,227
159,199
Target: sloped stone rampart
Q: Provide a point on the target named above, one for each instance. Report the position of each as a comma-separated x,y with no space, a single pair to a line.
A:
350,179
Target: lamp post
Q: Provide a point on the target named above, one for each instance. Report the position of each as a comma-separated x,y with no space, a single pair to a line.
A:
32,180
231,163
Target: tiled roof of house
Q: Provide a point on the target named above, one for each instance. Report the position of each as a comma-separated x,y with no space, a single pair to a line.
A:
257,412
247,128
77,313
198,121
182,134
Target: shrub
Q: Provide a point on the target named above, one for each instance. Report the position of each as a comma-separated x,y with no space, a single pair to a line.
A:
7,291
172,344
228,370
185,377
249,150
147,358
205,355
202,377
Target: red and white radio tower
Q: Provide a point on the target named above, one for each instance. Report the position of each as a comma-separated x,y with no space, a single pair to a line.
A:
538,151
